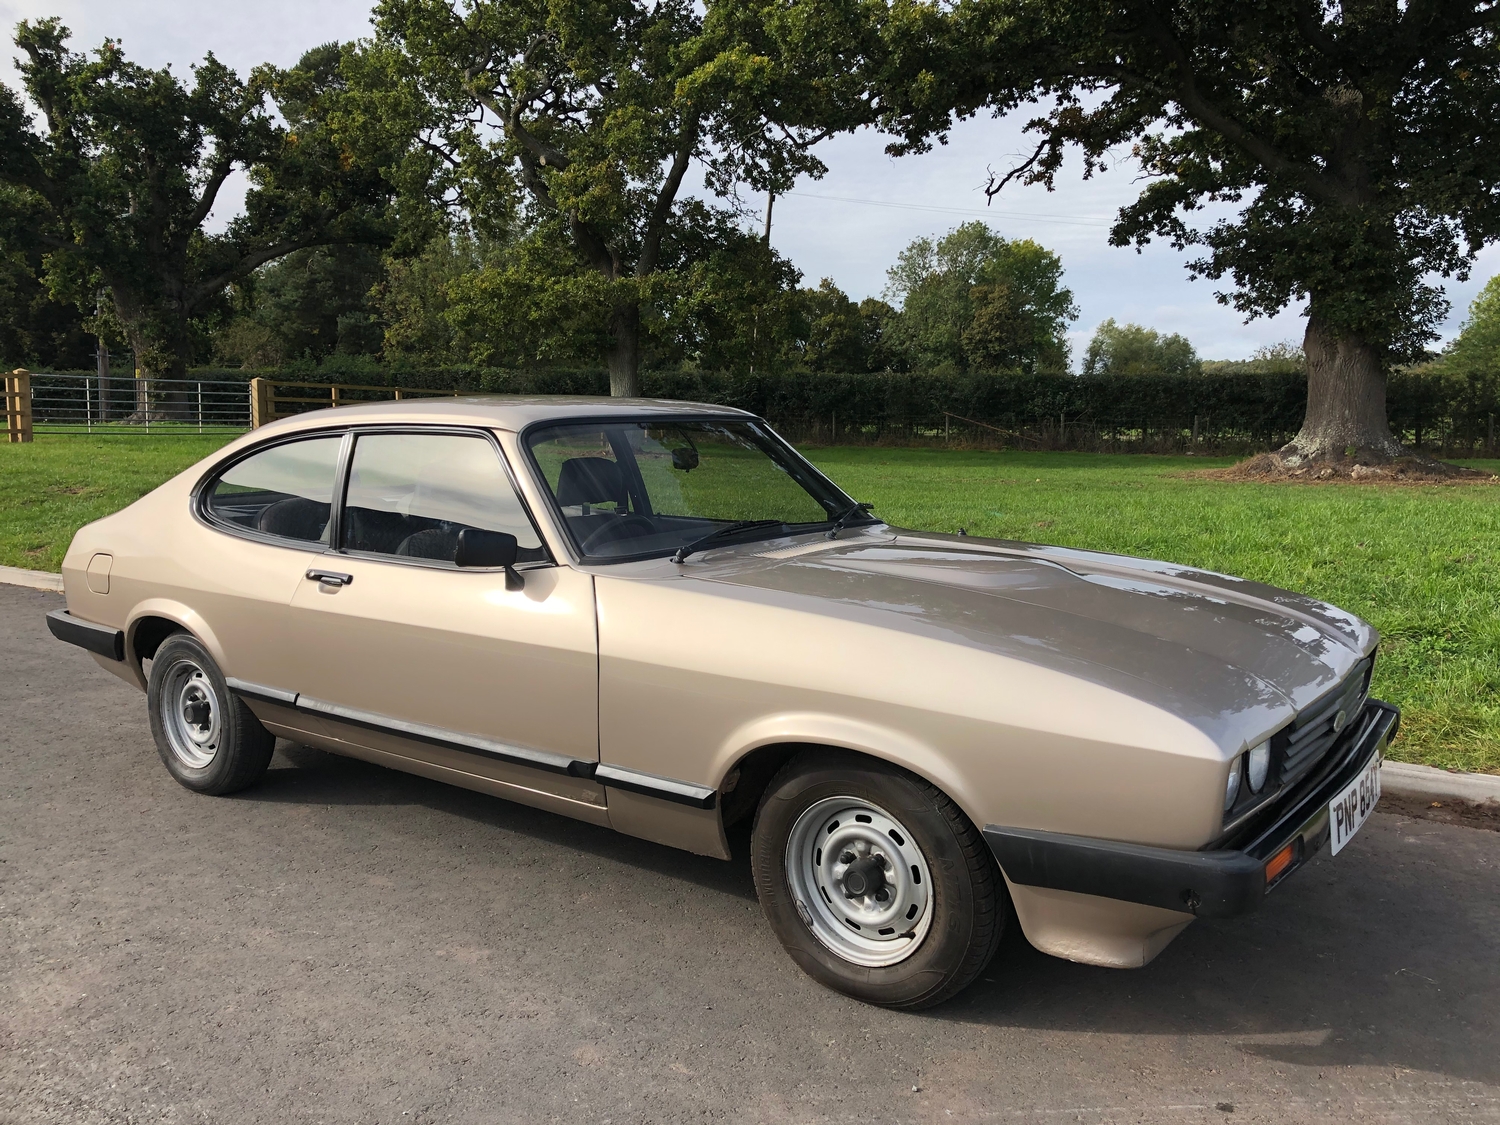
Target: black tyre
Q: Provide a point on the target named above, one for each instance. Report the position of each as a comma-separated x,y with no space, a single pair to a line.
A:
876,883
209,740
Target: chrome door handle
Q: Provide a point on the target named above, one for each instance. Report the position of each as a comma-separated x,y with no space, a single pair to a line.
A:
330,577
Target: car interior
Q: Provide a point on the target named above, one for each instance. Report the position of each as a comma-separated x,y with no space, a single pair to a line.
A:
608,517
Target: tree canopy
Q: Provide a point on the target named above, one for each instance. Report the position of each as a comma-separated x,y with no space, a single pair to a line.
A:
1356,147
974,300
582,123
1129,349
127,165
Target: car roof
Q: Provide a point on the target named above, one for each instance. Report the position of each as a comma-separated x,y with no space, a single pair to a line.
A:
504,412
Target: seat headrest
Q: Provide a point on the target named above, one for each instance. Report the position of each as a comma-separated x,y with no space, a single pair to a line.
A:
295,517
590,480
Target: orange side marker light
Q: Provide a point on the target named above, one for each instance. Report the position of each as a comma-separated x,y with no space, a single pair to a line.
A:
1280,862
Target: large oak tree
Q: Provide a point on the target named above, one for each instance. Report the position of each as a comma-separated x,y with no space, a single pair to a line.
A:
588,118
1353,148
126,165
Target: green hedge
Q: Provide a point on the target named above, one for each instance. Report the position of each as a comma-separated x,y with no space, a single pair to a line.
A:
1425,405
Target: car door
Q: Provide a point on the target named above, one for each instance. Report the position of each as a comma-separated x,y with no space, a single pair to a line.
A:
458,672
265,521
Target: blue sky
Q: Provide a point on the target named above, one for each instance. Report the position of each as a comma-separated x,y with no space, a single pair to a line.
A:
848,226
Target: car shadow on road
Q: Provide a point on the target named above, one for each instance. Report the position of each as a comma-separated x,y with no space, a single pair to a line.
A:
1359,961
1363,960
304,775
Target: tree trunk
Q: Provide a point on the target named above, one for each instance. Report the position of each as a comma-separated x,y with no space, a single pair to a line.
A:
156,360
1345,401
625,351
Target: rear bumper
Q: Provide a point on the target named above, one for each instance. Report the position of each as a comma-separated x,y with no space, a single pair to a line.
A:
85,634
1211,884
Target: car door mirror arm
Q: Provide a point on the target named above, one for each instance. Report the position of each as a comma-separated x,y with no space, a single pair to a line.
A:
477,548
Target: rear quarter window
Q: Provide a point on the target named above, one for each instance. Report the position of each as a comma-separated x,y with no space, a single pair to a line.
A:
286,490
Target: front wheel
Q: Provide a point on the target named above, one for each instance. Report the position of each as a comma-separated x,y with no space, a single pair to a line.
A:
209,740
876,883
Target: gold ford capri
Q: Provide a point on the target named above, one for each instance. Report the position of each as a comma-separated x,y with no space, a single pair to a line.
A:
659,617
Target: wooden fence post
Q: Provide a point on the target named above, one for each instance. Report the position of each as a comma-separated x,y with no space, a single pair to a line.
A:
262,402
18,406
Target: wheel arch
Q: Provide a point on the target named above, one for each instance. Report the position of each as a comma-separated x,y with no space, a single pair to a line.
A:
759,751
153,621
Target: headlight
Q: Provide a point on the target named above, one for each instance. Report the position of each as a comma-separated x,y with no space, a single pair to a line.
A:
1232,788
1259,766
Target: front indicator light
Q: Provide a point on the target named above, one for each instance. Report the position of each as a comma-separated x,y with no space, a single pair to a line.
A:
1280,862
1232,786
1259,766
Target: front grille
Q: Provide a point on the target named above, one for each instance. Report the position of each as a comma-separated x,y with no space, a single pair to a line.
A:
1302,745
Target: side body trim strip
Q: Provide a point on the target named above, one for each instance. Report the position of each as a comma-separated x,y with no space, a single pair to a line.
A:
85,634
618,777
260,691
451,740
666,788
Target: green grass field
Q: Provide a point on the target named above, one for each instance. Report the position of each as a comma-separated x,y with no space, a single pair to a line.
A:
1421,563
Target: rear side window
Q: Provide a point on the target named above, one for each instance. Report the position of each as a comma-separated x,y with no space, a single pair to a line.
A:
410,495
286,490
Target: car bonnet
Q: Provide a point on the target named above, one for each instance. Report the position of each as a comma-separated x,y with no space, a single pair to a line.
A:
1209,646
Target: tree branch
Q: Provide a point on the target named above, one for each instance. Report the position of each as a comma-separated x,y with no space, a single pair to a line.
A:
1187,94
247,265
216,177
992,189
656,225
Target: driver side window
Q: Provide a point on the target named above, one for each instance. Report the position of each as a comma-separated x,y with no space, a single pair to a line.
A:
410,495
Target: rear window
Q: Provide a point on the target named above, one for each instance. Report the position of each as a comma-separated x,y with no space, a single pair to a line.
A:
286,491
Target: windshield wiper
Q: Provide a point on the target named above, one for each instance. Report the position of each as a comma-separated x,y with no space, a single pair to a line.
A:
719,533
848,514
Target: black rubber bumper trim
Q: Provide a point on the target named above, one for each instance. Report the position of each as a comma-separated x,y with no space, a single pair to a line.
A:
85,634
1210,884
449,740
650,785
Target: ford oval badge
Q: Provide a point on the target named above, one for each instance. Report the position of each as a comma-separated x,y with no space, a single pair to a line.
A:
1339,720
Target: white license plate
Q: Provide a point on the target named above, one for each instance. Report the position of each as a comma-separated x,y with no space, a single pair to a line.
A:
1348,811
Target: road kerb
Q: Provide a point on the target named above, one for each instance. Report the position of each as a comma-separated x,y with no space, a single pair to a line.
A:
36,579
1430,784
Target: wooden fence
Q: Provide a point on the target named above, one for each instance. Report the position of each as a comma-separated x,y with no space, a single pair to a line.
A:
18,406
268,396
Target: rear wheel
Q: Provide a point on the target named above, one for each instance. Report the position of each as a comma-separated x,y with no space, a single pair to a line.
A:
209,740
875,881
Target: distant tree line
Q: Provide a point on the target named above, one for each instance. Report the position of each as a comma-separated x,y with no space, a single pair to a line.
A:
501,183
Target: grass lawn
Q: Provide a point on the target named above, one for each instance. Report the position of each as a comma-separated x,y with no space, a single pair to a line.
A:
51,487
1421,563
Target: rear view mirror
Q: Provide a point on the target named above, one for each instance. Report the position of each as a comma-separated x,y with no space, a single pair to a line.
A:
489,549
685,458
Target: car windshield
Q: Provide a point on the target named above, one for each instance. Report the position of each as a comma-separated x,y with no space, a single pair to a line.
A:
629,489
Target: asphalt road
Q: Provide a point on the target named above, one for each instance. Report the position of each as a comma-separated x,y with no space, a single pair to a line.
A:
349,944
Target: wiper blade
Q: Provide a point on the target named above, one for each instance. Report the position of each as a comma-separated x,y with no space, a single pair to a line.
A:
848,514
721,532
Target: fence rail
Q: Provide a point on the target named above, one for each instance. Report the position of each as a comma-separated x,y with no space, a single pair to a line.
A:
64,404
268,396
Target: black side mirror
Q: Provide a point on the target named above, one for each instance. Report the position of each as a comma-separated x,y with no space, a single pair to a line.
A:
490,549
685,458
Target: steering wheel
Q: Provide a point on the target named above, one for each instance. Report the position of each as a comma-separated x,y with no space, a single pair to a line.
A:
629,526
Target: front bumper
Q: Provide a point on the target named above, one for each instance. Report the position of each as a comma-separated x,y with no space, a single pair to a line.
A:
1211,884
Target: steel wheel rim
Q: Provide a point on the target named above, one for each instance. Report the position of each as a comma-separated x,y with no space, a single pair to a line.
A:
886,923
191,715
